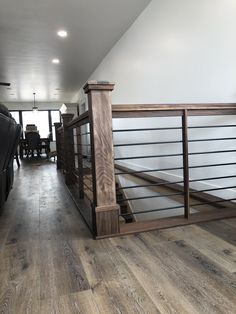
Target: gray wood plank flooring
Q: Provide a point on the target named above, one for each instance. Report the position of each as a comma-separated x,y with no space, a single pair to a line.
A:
50,264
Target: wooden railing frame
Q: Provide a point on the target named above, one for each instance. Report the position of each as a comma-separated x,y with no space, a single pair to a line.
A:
69,149
184,110
106,211
58,126
100,117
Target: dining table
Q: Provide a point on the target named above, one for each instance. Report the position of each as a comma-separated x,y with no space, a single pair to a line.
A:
44,144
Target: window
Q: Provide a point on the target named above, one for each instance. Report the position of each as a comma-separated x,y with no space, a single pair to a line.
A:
16,116
55,116
43,119
39,118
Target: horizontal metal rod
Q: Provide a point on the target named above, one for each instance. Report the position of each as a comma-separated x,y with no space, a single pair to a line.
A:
148,185
213,139
146,171
88,187
212,178
146,157
86,178
147,197
86,133
214,202
87,196
175,142
212,126
146,129
152,210
175,128
214,152
212,165
173,183
148,143
215,189
82,144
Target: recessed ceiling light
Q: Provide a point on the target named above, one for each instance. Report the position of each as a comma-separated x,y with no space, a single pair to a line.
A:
62,33
57,89
55,61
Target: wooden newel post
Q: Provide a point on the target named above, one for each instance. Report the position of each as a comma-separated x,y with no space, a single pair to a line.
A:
57,125
69,154
100,115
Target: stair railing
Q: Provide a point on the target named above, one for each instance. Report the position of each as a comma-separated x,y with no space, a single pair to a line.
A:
86,146
93,175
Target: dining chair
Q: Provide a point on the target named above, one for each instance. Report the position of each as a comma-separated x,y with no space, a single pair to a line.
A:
32,143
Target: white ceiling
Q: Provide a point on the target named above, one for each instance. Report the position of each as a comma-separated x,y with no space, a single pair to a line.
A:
29,41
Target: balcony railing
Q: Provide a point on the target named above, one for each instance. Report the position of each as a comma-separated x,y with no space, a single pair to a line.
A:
133,168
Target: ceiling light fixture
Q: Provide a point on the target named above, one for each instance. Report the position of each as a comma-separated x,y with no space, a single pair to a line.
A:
55,61
35,108
62,33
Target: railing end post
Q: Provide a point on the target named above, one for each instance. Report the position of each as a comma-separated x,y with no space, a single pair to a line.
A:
66,118
98,86
100,114
107,220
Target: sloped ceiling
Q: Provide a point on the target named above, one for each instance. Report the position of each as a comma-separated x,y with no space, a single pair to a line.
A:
29,42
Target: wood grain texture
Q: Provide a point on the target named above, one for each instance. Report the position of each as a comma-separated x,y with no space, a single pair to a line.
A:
102,145
49,264
100,115
76,303
165,110
160,107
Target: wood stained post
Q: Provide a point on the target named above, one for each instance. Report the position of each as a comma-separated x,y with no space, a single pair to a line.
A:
185,162
57,125
100,115
69,153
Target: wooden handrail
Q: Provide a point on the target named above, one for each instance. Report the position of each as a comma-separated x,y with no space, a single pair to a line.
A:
80,120
102,211
162,110
160,107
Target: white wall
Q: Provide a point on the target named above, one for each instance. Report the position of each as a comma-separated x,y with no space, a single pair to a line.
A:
177,51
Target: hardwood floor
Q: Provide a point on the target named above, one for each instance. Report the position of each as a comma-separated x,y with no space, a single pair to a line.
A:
50,264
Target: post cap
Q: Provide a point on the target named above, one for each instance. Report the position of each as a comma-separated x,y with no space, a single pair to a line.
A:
67,117
57,124
98,85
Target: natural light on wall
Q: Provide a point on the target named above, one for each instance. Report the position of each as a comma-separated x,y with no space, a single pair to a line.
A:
63,109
